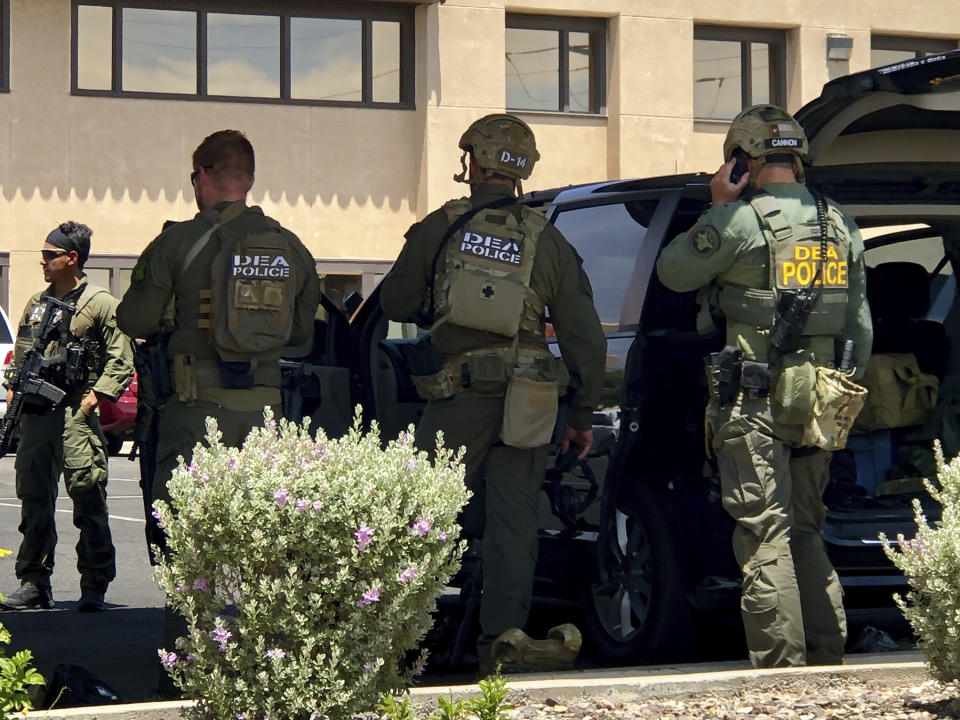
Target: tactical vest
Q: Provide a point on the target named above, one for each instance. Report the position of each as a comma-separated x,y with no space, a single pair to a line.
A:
247,304
483,280
794,262
84,318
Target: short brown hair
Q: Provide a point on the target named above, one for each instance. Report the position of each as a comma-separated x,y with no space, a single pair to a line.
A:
228,153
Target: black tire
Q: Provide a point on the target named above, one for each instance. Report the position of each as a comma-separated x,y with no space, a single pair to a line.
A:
114,444
640,611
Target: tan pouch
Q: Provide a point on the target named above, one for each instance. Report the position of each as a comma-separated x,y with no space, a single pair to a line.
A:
529,412
185,377
488,374
438,386
838,402
793,396
483,301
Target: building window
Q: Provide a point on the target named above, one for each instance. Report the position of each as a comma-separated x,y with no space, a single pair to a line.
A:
4,45
5,283
890,49
734,68
354,54
555,64
110,271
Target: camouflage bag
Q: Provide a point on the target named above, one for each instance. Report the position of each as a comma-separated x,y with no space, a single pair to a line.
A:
837,403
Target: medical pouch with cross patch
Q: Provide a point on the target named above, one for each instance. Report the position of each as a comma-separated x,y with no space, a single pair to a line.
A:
252,293
484,279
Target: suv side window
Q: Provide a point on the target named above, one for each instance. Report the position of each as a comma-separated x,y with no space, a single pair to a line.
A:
608,237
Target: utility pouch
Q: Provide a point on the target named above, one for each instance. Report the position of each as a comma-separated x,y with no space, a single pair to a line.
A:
755,379
488,374
838,402
529,412
75,367
794,393
427,373
483,301
235,375
438,386
185,377
724,369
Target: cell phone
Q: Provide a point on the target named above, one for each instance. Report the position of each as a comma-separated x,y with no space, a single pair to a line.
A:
739,167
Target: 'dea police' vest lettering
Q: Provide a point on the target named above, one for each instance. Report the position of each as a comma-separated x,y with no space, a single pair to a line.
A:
483,282
796,261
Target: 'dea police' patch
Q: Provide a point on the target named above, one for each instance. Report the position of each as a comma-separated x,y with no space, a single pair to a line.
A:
704,240
489,247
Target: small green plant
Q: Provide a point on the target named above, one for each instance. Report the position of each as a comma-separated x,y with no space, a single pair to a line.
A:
931,562
306,569
488,705
16,674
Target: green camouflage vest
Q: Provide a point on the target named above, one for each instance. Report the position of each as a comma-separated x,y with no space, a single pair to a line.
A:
483,281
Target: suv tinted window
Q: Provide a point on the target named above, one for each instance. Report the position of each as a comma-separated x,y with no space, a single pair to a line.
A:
608,238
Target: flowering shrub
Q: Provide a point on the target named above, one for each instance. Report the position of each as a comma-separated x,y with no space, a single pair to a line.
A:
16,674
931,562
306,569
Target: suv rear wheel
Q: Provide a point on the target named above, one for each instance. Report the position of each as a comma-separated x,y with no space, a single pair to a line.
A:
640,611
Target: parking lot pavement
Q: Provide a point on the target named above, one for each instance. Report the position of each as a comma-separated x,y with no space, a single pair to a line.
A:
118,645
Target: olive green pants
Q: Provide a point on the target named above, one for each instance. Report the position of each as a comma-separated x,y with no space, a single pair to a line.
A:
504,510
792,602
65,440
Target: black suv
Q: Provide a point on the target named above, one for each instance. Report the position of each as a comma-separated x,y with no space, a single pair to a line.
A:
638,535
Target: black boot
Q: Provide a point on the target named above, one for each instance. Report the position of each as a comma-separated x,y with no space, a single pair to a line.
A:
29,596
91,599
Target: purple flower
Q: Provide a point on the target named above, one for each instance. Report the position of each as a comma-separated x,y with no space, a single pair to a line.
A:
271,423
369,596
421,527
169,659
321,450
192,468
189,658
411,573
205,478
158,517
276,654
281,496
367,666
199,584
302,505
232,465
241,716
220,636
180,588
265,454
364,536
406,438
442,535
411,464
317,505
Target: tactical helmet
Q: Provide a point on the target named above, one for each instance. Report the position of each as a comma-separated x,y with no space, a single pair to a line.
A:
502,144
764,130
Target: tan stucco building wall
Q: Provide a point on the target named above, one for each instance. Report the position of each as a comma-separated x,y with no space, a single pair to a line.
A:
350,181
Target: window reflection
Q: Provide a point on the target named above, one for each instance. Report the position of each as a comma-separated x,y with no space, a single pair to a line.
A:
386,62
533,69
580,58
243,55
761,73
716,79
159,50
326,59
94,47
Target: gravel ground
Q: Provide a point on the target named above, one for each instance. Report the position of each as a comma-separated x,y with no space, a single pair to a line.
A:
797,698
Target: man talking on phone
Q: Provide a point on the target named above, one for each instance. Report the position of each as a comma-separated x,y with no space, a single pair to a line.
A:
783,268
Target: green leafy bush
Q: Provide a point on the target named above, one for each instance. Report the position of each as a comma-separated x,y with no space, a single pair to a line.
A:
488,705
16,674
931,562
306,569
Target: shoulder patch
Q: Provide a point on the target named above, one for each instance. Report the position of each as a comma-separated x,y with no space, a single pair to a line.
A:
704,240
139,273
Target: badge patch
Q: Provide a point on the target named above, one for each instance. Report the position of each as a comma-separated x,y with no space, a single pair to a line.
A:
509,252
800,265
704,240
138,274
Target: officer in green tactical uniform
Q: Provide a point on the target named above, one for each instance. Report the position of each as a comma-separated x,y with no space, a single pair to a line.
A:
67,438
479,273
792,295
232,287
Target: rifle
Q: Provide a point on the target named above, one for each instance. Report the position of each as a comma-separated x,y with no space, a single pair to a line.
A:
28,381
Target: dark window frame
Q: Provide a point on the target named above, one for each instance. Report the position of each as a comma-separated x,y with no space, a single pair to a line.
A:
919,46
4,46
776,39
112,264
401,13
597,29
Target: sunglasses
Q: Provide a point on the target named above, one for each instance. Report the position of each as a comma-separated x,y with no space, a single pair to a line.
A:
196,173
49,255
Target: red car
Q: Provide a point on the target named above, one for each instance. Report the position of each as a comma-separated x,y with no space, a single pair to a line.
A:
117,417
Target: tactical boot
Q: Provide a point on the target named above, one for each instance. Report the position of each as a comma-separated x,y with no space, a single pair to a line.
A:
91,599
515,651
29,596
